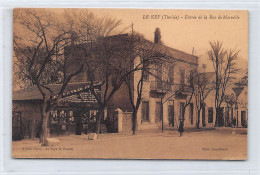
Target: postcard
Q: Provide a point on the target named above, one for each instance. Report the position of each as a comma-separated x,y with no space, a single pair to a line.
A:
130,84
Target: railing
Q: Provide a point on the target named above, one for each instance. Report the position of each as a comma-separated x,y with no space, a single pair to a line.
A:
167,86
160,85
183,88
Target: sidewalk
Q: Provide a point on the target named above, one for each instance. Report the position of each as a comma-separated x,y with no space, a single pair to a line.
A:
211,129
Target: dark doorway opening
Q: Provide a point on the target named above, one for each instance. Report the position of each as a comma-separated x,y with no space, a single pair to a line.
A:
145,111
220,116
203,117
243,119
17,130
171,114
158,112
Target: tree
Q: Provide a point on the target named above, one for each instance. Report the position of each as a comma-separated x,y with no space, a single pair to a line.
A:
224,64
105,59
203,86
168,88
143,56
184,91
188,93
243,81
39,55
111,59
165,84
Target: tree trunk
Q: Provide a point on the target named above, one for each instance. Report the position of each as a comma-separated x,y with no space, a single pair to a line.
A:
134,116
218,121
98,120
198,121
45,130
162,113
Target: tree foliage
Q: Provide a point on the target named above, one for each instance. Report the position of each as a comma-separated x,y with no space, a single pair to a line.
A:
224,64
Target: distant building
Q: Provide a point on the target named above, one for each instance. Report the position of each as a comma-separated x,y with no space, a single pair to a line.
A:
234,110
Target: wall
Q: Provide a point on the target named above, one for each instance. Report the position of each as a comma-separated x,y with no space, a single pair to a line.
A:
123,121
31,116
152,99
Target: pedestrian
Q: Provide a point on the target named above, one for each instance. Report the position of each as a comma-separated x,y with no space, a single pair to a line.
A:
181,129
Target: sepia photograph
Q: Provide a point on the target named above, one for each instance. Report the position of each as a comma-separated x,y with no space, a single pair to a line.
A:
130,84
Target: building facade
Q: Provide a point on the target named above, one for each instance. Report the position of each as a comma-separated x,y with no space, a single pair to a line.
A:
169,84
167,96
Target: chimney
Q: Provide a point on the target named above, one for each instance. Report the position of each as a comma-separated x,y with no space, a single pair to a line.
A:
157,36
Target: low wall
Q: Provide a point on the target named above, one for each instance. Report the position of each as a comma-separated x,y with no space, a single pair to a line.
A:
124,121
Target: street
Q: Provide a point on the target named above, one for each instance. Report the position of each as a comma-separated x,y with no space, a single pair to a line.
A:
209,145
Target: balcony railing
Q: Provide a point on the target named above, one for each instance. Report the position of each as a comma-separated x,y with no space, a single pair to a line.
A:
160,86
183,88
163,86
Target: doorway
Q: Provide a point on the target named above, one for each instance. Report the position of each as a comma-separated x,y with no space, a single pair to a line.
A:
17,129
158,112
243,119
171,114
145,111
203,117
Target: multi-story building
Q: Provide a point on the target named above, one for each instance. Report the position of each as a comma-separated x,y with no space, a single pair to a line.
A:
166,95
169,84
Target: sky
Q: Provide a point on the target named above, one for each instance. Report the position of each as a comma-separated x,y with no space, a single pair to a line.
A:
188,29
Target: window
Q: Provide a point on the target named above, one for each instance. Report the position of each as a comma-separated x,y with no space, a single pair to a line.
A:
210,115
191,78
182,76
181,111
159,71
191,113
145,111
171,74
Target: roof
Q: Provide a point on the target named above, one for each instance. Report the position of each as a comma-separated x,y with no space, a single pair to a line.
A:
159,48
175,53
238,90
32,93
